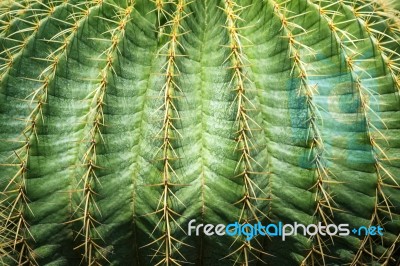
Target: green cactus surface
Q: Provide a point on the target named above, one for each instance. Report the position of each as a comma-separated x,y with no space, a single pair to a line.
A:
123,120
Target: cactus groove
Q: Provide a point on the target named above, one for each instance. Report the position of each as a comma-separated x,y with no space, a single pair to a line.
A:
123,120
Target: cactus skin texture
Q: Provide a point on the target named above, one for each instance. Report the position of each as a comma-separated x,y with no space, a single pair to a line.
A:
122,120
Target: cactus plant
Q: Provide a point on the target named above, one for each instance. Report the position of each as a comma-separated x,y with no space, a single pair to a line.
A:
123,120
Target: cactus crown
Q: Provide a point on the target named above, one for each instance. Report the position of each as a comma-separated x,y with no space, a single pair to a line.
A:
123,120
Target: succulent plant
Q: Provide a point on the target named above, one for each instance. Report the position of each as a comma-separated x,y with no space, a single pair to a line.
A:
123,120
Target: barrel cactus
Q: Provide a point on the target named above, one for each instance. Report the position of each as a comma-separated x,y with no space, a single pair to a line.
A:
125,122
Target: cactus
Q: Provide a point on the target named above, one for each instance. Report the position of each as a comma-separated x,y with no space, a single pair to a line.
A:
123,120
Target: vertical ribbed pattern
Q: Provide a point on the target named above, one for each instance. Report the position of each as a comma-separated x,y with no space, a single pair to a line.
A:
123,120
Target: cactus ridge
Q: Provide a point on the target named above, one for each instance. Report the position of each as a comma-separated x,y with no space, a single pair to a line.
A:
167,246
123,120
244,109
87,209
300,53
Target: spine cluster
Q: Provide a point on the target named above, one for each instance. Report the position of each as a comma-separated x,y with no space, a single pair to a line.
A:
297,51
15,38
87,210
247,166
381,41
348,45
167,245
16,235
